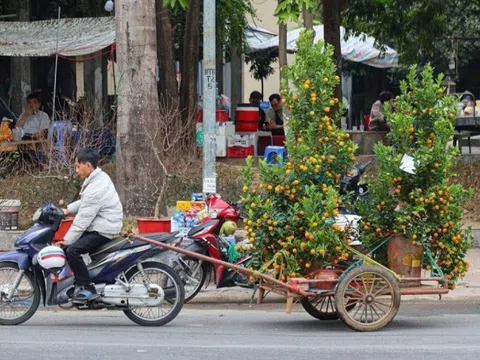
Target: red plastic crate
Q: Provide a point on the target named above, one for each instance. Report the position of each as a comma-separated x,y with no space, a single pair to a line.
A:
240,152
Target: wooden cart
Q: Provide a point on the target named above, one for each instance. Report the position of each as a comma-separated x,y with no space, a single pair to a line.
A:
365,296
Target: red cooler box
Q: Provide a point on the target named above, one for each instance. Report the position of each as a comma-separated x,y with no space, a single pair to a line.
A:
246,118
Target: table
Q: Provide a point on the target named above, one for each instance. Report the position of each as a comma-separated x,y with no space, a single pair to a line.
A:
466,127
13,146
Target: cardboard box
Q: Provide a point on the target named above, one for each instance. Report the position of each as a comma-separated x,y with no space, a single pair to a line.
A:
221,128
225,129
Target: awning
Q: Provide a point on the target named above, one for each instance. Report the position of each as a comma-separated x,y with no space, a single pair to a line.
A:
256,36
77,37
355,48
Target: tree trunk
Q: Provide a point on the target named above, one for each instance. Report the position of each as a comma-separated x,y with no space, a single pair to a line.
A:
307,19
236,83
282,51
191,53
168,86
137,105
219,69
331,22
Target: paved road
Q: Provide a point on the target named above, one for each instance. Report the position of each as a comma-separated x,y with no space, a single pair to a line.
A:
234,332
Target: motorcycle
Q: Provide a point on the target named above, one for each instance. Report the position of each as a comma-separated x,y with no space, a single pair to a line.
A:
350,184
208,240
148,292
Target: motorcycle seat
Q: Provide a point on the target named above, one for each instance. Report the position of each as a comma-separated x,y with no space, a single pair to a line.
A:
122,243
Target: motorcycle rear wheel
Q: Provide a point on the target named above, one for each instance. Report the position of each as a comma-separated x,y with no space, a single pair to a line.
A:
24,303
171,284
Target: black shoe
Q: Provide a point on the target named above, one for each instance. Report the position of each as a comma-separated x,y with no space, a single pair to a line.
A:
83,294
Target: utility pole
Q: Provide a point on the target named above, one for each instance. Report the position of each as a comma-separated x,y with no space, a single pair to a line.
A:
209,98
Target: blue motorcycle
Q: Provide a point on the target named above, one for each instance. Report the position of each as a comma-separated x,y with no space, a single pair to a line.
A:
148,292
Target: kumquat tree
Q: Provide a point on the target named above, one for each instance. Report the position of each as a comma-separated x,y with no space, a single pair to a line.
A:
290,213
421,203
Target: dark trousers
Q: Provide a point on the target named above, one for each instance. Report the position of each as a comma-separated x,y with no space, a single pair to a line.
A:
89,242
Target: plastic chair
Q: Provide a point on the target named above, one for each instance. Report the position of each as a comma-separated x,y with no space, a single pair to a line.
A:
275,155
60,129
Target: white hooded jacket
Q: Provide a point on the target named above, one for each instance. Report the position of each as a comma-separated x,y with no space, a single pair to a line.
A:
98,210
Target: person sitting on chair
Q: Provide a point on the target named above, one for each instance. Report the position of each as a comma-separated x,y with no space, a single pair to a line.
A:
33,121
99,217
274,116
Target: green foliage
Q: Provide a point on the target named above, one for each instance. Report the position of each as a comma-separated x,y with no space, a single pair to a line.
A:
290,214
176,3
231,22
409,25
290,10
426,206
421,31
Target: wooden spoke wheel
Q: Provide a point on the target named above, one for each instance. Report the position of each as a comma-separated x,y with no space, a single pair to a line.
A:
374,294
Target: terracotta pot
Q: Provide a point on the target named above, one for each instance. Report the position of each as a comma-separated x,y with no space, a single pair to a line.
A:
325,275
405,259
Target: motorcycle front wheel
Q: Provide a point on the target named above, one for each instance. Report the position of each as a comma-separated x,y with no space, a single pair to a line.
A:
25,299
165,277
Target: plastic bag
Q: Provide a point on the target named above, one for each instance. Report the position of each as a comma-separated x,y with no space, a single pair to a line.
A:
5,131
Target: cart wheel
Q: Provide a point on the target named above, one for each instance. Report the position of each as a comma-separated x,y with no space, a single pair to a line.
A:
375,294
322,307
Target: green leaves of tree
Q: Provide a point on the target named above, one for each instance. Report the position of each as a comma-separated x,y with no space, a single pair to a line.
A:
291,9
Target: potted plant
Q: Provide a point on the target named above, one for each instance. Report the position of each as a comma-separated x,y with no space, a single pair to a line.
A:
290,213
413,197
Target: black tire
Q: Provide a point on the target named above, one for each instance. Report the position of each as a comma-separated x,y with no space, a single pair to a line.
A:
365,298
36,296
177,283
205,268
322,308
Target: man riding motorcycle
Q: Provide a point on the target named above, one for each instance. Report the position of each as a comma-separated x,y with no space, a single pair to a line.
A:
98,218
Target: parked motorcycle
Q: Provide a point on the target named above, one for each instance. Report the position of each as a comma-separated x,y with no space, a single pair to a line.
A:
208,240
351,184
148,292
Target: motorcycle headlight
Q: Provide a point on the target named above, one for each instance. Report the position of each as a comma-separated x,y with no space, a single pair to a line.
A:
36,216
